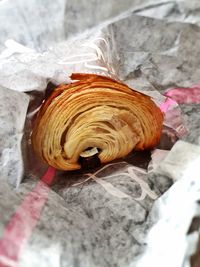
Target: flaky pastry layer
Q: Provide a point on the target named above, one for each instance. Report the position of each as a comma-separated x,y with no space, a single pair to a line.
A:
94,111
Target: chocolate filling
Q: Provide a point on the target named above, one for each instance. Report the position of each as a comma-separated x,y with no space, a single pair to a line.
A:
89,162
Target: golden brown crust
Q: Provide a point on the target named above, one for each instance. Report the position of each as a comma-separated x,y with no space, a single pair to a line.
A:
94,111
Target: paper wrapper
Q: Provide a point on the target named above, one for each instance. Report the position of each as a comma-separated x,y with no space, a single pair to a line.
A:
101,218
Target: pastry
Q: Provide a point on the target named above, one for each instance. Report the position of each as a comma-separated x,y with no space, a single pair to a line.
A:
95,115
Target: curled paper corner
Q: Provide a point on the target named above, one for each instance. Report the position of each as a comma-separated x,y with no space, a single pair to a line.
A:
13,47
17,47
178,161
157,156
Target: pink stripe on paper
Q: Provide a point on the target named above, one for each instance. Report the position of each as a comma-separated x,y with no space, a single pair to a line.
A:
185,95
167,104
22,223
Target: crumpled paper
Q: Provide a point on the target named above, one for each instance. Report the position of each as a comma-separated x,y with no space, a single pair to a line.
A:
99,218
169,242
55,22
11,132
25,70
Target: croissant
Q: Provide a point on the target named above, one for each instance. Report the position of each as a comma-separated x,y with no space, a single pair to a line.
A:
95,114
